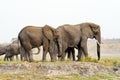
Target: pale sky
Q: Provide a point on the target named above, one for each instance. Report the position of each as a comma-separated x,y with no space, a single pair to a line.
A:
16,14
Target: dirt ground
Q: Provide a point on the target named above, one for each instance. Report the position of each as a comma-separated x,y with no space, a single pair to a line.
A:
59,68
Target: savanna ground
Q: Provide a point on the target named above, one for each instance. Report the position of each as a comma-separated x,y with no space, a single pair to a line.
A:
108,68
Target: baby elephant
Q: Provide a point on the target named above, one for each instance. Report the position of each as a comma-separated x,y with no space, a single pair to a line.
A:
11,51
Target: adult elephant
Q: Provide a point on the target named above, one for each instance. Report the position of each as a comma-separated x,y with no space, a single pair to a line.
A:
32,37
75,36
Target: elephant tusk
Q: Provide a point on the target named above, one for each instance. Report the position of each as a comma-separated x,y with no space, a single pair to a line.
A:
98,43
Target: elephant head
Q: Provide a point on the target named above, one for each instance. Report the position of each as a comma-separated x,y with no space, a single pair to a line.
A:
91,30
3,49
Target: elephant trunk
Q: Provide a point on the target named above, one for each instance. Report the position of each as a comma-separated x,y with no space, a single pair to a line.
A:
59,50
98,38
53,50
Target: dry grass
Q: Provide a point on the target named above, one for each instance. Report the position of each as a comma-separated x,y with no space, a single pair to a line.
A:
29,75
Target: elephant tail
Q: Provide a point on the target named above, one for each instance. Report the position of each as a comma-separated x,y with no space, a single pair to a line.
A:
37,52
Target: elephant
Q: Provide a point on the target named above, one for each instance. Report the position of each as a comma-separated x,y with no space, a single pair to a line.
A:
34,36
75,36
12,50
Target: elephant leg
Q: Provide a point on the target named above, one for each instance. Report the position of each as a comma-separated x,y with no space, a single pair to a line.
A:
64,47
69,54
63,54
73,54
30,56
25,56
22,54
59,50
79,54
21,57
45,49
44,55
84,47
51,57
11,58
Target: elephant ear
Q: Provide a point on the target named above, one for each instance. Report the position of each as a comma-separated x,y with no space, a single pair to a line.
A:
48,32
94,27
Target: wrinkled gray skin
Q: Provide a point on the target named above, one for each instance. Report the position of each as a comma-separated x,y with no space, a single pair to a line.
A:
32,37
75,36
11,51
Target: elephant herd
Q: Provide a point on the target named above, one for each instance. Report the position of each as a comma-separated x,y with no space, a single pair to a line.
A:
57,41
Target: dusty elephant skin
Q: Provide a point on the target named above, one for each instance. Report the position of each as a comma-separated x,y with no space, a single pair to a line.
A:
75,36
32,37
